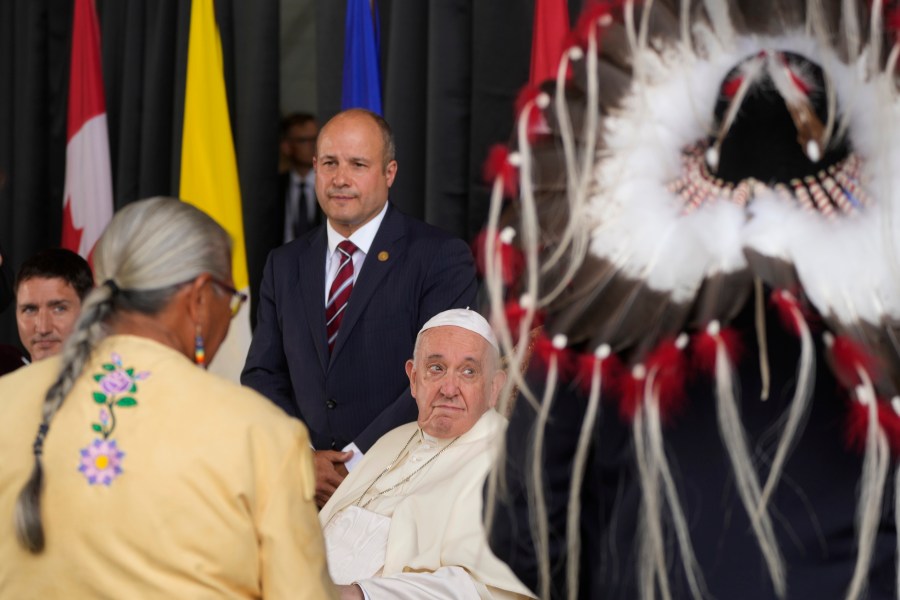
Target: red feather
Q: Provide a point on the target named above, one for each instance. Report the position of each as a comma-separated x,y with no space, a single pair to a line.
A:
545,351
670,365
858,426
515,313
796,78
527,100
847,356
591,17
631,395
789,310
610,371
730,88
497,165
892,22
705,346
512,261
801,85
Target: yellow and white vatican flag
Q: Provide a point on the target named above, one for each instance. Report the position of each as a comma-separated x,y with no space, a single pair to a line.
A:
209,175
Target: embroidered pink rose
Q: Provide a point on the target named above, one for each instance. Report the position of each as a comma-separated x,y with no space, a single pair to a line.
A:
101,461
116,382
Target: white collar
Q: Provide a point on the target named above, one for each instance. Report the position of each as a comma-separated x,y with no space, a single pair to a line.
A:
309,179
362,238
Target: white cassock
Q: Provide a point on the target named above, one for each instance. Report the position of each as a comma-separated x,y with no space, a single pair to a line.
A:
423,538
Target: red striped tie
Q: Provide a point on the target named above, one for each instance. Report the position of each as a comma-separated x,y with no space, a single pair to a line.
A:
340,292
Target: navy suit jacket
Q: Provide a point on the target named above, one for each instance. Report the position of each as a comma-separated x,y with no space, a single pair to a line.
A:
360,391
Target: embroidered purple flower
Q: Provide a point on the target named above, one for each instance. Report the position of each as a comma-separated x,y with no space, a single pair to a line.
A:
116,382
101,461
117,388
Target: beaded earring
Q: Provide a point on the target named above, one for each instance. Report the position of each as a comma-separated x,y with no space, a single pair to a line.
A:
199,349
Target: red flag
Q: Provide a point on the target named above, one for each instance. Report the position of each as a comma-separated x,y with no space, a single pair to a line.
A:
551,26
87,200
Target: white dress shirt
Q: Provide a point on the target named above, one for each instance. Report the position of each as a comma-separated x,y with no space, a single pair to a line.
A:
294,204
362,238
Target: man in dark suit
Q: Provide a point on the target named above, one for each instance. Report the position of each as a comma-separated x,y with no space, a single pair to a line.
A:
295,210
297,184
336,323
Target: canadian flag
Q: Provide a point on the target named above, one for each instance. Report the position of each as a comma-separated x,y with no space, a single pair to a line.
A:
87,201
548,39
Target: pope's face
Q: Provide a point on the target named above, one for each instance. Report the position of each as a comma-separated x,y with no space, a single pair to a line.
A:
352,180
46,311
454,379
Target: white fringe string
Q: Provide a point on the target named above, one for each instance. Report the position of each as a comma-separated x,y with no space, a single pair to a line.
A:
539,523
493,276
750,72
567,135
875,33
573,520
494,282
850,22
735,440
578,180
652,545
682,533
891,66
765,375
871,489
721,21
685,24
797,413
645,25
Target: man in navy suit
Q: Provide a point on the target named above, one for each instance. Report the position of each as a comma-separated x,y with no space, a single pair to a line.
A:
399,272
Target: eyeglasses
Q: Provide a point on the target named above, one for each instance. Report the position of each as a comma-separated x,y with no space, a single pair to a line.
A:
237,298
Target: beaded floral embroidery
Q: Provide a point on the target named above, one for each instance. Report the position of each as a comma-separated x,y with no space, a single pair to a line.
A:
101,460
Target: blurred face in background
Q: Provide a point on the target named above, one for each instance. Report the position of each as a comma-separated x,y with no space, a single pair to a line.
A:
299,146
46,311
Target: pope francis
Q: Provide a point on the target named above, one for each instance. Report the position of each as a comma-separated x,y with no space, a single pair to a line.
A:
406,523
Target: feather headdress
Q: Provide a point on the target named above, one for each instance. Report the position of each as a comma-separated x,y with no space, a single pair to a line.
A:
706,151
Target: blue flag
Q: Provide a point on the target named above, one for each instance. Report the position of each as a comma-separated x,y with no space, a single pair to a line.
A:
362,75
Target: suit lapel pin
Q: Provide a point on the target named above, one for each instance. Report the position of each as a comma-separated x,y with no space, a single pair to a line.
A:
383,256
